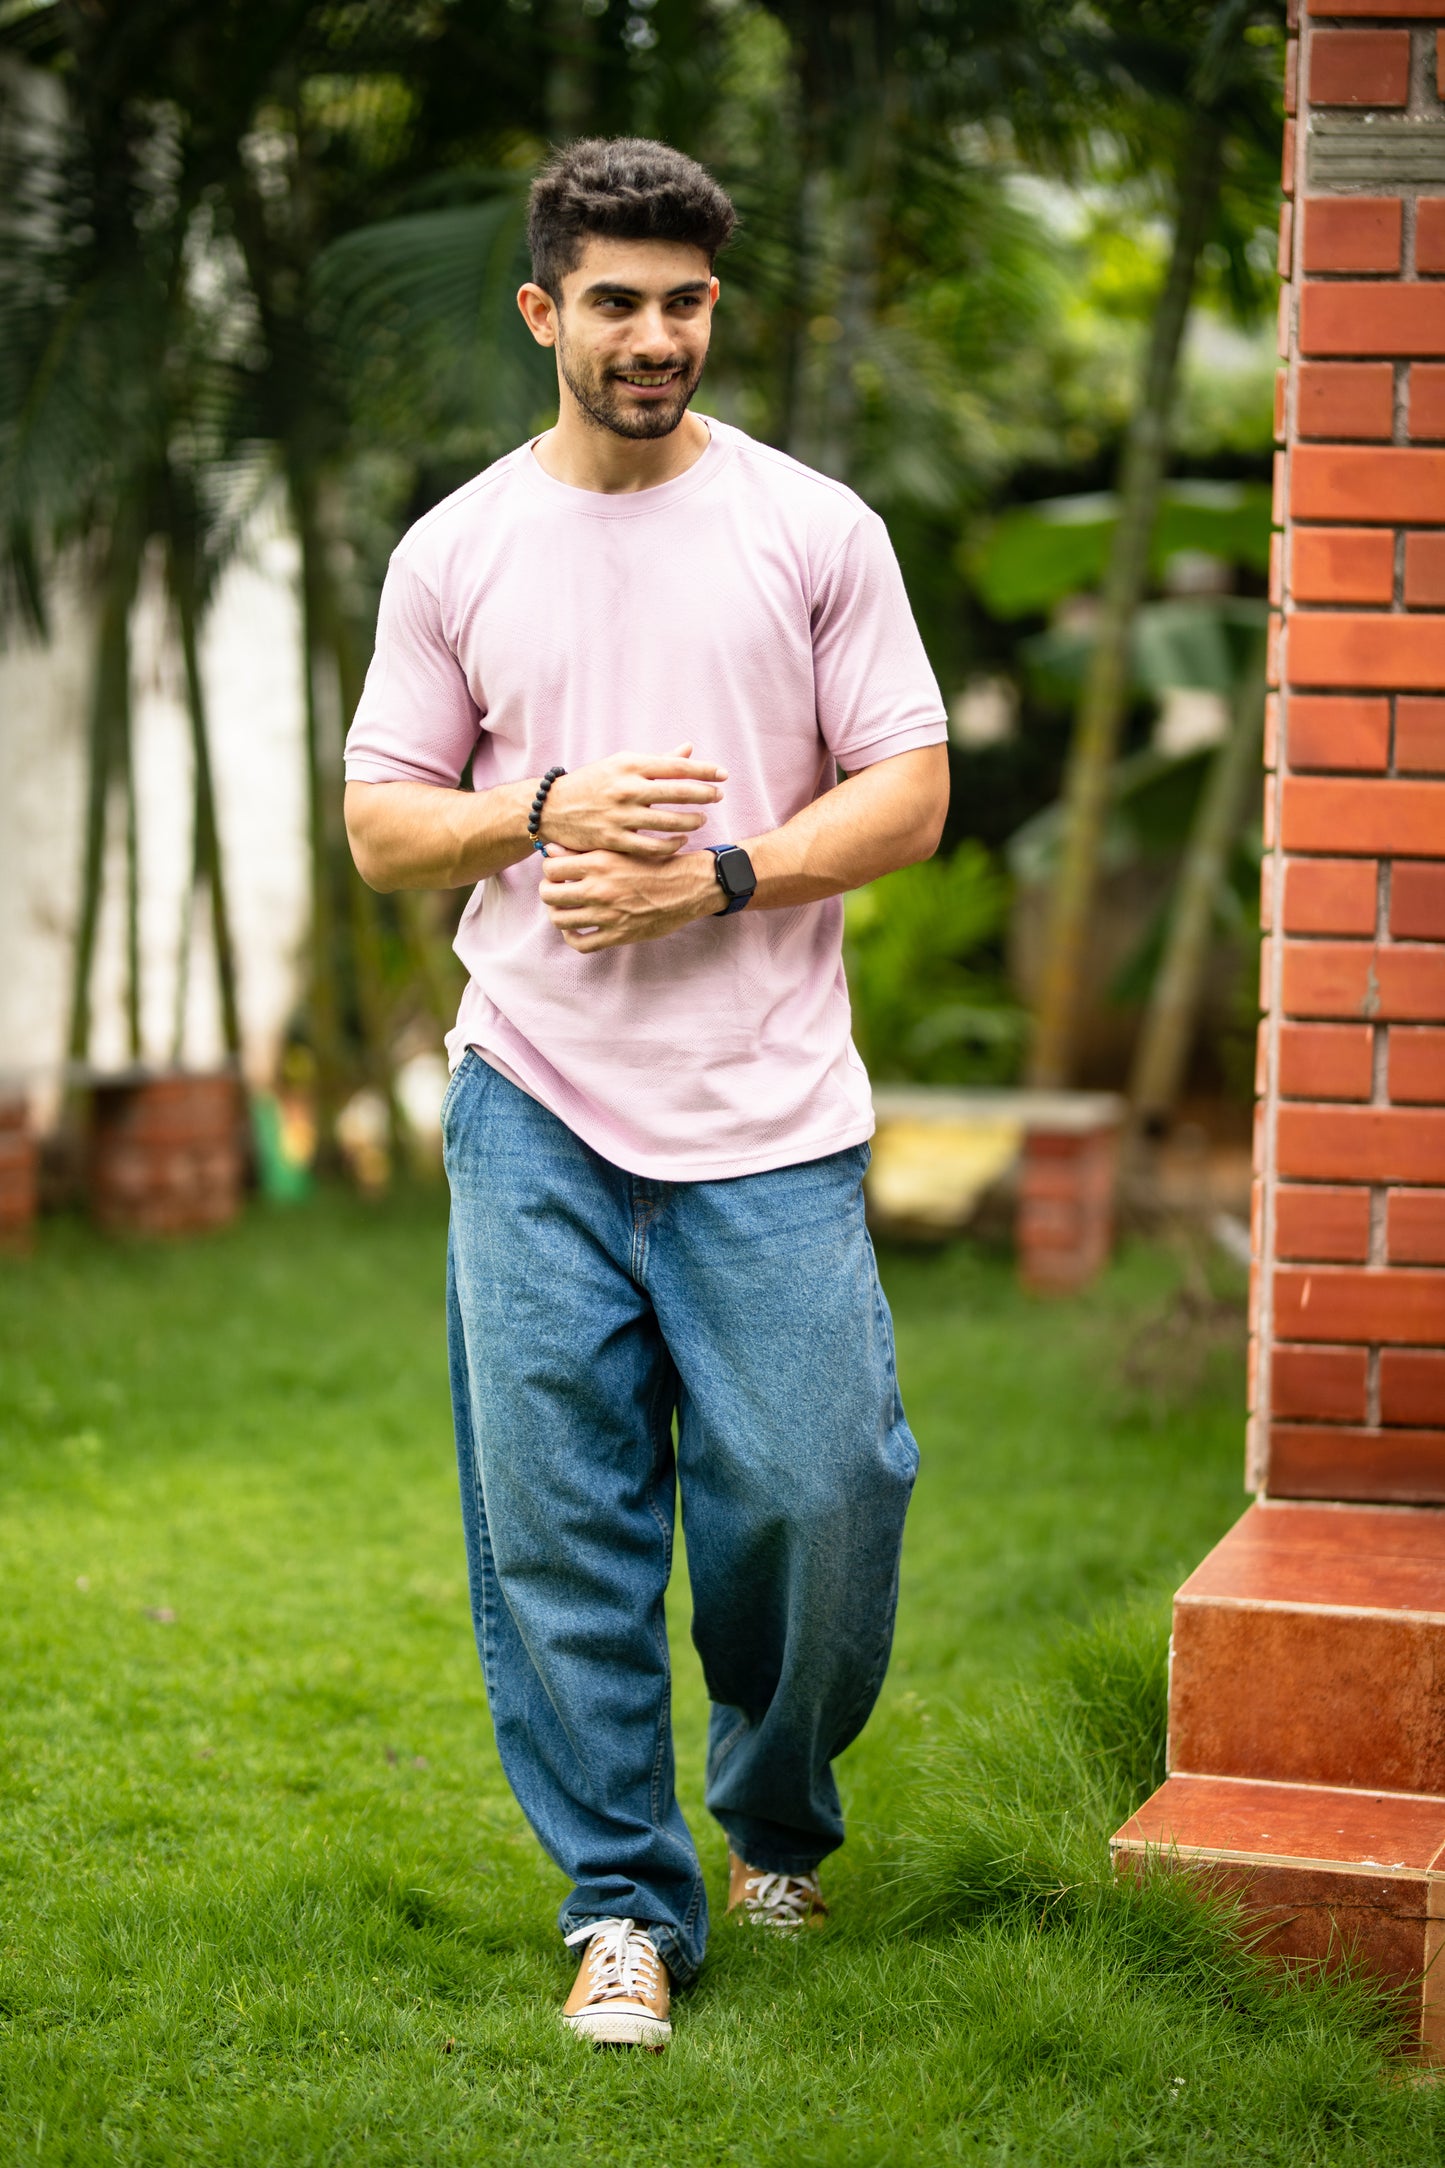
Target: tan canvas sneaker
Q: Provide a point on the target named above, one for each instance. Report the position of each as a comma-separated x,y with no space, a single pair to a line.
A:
780,1901
621,1994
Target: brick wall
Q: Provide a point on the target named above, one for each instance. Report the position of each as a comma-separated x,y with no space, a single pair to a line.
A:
1348,1306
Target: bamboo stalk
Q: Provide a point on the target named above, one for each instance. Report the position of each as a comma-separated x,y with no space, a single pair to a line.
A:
1106,691
1169,1022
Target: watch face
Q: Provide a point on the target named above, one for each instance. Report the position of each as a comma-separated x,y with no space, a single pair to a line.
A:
735,871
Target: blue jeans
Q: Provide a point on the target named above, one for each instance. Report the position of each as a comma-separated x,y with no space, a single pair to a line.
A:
587,1309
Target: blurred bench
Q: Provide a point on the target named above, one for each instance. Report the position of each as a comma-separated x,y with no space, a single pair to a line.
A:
940,1152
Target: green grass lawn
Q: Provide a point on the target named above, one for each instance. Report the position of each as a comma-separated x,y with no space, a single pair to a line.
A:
264,1897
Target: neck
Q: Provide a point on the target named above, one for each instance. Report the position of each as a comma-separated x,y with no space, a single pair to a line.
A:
586,456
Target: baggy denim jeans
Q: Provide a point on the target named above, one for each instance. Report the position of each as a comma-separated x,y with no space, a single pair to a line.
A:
589,1309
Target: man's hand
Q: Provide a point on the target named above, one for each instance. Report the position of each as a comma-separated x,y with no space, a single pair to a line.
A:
419,835
888,815
632,803
422,835
605,899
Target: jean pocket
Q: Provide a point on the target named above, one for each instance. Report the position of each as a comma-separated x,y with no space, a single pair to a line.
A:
454,1086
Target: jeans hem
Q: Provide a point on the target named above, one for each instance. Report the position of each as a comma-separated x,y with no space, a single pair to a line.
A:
768,1858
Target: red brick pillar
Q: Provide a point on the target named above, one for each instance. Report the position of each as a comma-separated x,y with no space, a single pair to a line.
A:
1306,1717
1349,1301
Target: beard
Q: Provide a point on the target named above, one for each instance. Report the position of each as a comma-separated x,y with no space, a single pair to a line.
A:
605,404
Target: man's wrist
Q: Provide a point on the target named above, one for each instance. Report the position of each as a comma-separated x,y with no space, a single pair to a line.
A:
692,883
519,812
708,896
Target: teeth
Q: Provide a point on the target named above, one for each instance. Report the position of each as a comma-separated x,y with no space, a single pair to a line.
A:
665,378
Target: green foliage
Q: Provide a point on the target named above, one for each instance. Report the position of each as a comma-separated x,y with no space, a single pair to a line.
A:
1015,1805
921,953
1202,645
1032,558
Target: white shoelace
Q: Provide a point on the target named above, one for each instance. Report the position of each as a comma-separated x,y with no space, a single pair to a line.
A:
780,1900
620,1960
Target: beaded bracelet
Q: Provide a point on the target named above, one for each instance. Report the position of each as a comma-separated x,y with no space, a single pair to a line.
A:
534,818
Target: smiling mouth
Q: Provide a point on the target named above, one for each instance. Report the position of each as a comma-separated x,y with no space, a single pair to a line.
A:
648,379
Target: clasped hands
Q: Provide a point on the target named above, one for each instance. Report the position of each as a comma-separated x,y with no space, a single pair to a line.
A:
616,871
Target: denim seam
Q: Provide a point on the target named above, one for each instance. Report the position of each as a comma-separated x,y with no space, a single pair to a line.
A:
698,1891
660,1424
664,1721
484,1541
640,1224
725,1746
691,1913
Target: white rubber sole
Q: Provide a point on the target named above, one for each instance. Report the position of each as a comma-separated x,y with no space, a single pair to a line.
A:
623,2028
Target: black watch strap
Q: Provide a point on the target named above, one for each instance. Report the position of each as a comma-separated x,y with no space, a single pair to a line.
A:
735,876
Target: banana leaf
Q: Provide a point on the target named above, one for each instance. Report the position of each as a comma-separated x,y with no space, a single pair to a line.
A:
1031,558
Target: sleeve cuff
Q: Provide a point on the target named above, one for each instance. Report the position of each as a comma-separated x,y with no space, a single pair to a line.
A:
363,770
907,740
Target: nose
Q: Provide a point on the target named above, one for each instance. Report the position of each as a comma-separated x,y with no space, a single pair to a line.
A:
652,335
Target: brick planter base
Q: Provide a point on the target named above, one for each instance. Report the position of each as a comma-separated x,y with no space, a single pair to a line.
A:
1066,1195
941,1148
166,1154
19,1175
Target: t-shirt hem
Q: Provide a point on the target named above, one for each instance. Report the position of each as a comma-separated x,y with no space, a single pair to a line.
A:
910,739
786,1153
369,769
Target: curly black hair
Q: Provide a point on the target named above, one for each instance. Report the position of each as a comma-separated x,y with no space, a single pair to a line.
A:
627,188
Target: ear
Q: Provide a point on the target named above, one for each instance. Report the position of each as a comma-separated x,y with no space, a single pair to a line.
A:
539,313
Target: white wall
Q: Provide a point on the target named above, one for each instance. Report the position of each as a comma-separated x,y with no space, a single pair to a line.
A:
252,673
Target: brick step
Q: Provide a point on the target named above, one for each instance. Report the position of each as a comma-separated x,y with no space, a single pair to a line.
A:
1309,1648
1321,1872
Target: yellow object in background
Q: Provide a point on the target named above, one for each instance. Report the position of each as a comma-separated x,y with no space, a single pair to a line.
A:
932,1173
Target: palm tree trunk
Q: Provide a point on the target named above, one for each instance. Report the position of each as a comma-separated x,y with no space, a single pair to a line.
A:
1106,690
348,950
107,738
365,918
569,94
125,761
206,870
792,433
324,990
1169,1022
368,962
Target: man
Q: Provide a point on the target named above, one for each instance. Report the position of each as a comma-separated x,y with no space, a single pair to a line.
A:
656,642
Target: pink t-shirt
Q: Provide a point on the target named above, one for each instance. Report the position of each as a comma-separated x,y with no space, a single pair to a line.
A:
749,605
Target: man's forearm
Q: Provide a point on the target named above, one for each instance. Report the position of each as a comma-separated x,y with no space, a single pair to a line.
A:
884,817
414,835
417,835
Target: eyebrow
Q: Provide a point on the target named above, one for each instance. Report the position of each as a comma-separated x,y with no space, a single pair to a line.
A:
609,289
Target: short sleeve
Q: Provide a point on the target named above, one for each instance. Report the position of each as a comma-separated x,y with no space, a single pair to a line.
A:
416,720
876,695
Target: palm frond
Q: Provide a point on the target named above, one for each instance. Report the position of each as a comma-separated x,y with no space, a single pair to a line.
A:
421,308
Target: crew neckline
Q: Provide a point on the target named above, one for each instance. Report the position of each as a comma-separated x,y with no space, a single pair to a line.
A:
633,503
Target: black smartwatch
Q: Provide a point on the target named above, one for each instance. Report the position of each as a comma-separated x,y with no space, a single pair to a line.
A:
735,876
